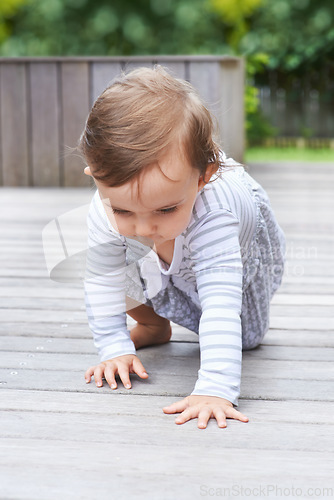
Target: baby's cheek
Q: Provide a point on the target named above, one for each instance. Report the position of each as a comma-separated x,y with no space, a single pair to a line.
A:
123,228
178,226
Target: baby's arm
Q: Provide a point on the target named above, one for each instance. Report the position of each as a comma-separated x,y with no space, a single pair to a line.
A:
215,251
106,303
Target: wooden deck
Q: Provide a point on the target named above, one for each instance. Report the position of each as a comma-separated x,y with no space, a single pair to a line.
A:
63,439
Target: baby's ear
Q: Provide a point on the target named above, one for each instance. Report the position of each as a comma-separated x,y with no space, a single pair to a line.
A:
87,171
210,170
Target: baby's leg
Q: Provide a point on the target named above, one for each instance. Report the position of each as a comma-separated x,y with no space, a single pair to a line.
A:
151,329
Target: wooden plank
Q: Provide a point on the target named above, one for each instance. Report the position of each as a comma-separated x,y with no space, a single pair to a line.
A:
166,382
297,323
14,125
297,412
44,124
49,467
39,329
57,292
75,108
102,74
232,108
36,425
58,344
43,302
47,316
205,77
27,282
181,360
298,354
222,87
28,273
299,337
295,287
325,300
307,311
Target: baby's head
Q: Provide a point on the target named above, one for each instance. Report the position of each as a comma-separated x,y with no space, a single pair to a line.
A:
138,118
148,143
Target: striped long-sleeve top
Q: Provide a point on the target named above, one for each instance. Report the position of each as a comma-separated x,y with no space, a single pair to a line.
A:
207,265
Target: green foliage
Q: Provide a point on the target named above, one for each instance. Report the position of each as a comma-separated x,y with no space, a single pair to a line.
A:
293,33
296,34
133,27
306,132
264,154
234,14
8,9
257,126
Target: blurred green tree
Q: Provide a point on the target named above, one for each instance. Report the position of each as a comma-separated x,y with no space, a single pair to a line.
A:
296,34
234,14
8,9
117,27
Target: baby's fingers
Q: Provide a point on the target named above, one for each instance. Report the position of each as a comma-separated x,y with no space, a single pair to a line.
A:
98,374
124,375
109,375
176,407
138,368
219,415
89,373
237,415
188,414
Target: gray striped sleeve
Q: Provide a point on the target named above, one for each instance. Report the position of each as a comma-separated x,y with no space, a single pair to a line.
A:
215,252
105,288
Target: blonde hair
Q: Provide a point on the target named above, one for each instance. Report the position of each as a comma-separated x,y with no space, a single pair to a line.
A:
135,120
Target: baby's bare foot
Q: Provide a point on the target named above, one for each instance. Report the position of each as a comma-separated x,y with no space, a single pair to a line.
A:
146,335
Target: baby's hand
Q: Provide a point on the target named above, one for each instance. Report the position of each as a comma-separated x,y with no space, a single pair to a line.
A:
123,365
204,408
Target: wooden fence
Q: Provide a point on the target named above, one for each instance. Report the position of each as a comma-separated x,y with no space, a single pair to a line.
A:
44,103
299,112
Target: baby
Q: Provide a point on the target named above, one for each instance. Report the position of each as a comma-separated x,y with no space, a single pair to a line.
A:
177,232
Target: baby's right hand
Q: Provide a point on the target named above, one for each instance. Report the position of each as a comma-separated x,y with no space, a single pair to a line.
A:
123,365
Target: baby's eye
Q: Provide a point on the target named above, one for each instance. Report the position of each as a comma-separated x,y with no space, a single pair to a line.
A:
169,210
120,212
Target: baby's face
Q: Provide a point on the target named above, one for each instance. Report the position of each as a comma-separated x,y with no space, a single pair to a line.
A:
159,205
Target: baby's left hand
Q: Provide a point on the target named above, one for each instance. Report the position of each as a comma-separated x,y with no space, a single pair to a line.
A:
204,408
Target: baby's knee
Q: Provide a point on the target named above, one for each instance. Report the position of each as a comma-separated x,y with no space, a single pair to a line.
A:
249,344
252,339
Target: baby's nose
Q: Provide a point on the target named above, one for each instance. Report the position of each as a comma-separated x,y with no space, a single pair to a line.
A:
145,228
